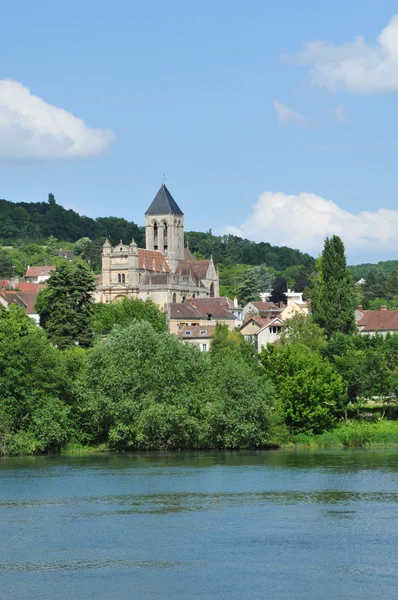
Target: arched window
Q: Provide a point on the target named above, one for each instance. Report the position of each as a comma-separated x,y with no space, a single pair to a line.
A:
193,295
165,237
119,278
123,278
183,299
212,290
174,298
155,236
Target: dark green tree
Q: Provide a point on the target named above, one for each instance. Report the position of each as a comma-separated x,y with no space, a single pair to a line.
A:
51,199
51,244
65,305
6,265
333,292
106,316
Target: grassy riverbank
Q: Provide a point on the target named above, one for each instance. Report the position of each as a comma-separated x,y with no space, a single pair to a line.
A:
352,434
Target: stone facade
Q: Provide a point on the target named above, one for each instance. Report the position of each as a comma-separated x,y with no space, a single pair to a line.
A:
165,271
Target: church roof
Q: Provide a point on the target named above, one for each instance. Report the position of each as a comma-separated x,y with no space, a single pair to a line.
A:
164,204
152,260
196,268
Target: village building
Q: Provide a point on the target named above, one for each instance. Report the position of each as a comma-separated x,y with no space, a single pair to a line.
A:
25,300
263,308
165,270
38,274
66,254
200,312
262,331
198,335
295,305
370,322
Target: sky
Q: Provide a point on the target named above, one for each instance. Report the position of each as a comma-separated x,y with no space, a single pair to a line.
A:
274,121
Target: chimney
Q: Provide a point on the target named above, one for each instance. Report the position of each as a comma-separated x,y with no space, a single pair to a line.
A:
383,307
360,308
235,302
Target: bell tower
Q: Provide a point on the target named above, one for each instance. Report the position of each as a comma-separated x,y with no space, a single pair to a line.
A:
164,227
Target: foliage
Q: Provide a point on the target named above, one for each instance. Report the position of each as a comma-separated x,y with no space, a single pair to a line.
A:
332,293
142,389
234,341
308,388
51,246
123,313
65,306
81,247
6,265
32,417
257,280
302,329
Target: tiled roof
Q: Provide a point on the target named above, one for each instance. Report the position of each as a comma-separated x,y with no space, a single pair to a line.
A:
260,321
265,305
197,331
152,260
164,204
184,311
379,320
25,299
188,254
213,306
38,271
196,268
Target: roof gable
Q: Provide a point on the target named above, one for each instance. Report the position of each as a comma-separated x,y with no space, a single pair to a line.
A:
164,204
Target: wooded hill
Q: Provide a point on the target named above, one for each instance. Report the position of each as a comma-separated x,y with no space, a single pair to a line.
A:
36,222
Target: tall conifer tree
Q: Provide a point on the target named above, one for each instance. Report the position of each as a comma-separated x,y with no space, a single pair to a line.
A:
333,292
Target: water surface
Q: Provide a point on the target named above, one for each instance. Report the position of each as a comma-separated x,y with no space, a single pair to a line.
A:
281,524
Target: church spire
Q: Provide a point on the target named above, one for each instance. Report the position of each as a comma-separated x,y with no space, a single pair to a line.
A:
164,203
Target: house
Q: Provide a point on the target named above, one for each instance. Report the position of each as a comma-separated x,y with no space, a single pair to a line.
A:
67,254
381,321
228,304
164,270
38,274
198,335
294,305
25,300
262,309
262,331
200,312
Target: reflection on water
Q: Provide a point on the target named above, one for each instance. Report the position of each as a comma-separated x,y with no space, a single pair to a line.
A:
285,524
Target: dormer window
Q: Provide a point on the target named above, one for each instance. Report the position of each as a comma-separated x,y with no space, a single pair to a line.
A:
203,332
188,332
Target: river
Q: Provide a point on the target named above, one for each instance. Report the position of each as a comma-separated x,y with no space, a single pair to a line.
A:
280,524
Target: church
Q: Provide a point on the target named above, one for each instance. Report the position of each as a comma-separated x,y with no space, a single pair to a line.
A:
165,270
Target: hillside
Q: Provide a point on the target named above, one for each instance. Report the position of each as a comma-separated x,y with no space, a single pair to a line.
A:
23,223
386,268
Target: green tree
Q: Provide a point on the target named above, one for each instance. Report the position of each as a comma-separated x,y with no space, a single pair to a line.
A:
6,264
234,341
301,329
308,388
32,416
51,199
52,248
257,280
333,293
106,316
81,246
65,306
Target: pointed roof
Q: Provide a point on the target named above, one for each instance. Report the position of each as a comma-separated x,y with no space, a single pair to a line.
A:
164,204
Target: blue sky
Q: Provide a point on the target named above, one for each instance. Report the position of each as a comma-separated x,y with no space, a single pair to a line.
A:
255,135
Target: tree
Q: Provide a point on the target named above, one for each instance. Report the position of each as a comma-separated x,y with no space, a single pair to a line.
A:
6,265
81,246
51,244
32,417
374,286
308,388
279,289
51,199
332,292
257,280
106,316
302,330
65,305
234,341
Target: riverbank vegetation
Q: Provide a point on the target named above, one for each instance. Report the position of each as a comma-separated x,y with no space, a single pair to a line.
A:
104,377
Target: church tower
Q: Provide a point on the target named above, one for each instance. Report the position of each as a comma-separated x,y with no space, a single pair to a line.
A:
164,225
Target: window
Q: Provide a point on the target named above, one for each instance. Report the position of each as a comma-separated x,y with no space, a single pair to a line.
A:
204,347
165,237
121,249
203,332
174,298
274,329
123,278
155,236
212,290
119,278
188,332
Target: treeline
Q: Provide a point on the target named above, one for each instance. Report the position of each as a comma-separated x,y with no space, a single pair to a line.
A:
37,221
379,290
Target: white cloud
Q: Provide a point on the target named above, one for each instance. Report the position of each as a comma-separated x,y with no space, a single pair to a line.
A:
288,116
339,113
304,220
355,66
31,128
